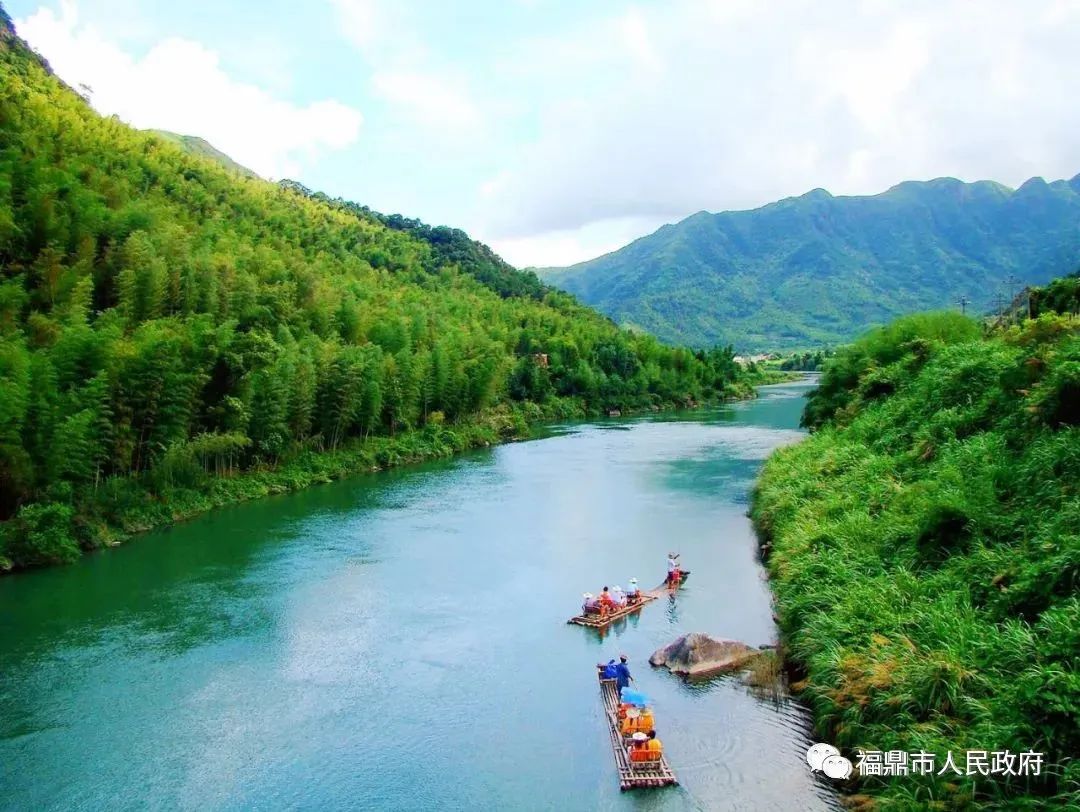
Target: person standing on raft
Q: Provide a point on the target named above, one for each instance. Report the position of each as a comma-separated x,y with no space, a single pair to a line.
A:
622,675
674,574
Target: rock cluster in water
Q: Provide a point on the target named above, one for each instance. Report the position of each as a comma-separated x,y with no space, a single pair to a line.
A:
697,654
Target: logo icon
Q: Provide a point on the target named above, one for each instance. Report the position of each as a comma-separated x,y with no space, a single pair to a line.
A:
825,758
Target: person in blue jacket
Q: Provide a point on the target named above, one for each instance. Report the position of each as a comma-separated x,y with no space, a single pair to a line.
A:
610,671
622,674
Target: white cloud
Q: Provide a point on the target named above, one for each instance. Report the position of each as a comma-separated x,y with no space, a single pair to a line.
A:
361,21
565,247
403,73
179,85
635,32
660,112
429,99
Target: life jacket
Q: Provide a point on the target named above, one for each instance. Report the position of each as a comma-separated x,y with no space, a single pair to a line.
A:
638,754
643,723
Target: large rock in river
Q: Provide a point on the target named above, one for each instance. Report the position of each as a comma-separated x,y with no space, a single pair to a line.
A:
698,654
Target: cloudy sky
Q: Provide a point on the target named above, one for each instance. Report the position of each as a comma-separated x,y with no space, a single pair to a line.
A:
557,130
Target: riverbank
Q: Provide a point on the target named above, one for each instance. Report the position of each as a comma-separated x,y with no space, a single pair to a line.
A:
923,555
770,375
239,658
124,507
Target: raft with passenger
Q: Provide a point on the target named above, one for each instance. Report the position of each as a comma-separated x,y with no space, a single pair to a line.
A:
637,767
598,612
602,617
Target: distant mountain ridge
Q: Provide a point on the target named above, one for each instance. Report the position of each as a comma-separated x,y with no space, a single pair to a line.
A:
818,269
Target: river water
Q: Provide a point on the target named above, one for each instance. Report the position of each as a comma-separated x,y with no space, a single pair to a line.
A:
399,640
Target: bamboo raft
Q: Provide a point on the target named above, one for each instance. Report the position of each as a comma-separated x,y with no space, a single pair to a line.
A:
631,774
596,621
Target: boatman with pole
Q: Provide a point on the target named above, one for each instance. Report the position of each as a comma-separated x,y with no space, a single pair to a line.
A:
622,675
672,569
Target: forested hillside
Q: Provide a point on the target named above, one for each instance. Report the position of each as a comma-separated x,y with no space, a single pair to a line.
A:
1060,296
201,147
448,246
924,547
818,270
174,335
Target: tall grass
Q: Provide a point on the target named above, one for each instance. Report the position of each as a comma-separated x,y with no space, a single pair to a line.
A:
925,554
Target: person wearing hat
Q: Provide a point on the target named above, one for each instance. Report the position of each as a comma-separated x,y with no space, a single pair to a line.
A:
673,574
590,604
618,596
622,674
639,749
637,720
632,592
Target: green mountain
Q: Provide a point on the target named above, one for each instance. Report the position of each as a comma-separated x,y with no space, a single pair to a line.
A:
449,246
819,269
200,146
175,335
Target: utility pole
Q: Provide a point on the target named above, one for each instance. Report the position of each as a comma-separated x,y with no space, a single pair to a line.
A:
999,305
963,301
1012,281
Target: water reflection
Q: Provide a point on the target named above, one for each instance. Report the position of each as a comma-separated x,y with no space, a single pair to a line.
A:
399,641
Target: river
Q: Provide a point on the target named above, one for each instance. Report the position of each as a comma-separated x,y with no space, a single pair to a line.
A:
399,640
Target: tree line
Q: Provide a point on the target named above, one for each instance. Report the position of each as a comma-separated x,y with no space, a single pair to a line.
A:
163,320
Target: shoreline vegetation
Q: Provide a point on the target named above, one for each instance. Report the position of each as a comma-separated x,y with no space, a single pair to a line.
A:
114,519
924,555
175,335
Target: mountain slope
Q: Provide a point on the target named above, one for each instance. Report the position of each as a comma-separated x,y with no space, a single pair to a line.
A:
200,146
449,246
174,335
821,269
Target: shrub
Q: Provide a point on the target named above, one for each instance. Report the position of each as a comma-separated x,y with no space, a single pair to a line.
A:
41,534
925,555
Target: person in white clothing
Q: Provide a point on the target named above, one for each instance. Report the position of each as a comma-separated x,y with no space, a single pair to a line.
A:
672,568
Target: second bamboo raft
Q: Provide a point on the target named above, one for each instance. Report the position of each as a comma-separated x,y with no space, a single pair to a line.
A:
631,774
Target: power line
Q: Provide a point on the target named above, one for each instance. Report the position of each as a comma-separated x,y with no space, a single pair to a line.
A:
999,302
1012,281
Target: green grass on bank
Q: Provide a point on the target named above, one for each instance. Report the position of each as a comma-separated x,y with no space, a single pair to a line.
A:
925,554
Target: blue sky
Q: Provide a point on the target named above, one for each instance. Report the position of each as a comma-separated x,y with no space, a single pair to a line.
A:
556,131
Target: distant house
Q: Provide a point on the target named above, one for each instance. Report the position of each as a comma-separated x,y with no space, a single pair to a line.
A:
746,360
541,358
